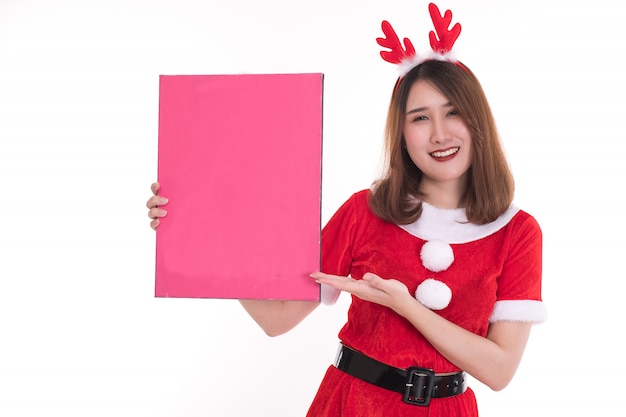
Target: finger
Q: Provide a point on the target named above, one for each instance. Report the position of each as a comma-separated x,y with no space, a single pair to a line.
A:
368,276
318,275
155,223
340,283
376,282
156,212
373,280
155,187
329,278
156,201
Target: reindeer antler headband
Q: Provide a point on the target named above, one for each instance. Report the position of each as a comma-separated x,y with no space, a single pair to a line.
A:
441,43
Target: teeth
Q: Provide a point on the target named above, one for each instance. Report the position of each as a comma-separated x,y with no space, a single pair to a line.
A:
445,153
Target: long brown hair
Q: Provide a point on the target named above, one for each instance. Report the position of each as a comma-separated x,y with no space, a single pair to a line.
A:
490,186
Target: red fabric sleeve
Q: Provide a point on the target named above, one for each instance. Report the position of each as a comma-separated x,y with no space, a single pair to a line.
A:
338,239
519,285
521,274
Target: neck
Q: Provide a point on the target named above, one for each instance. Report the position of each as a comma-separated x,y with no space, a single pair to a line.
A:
446,195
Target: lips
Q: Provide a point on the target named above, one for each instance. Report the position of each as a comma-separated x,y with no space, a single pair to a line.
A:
446,153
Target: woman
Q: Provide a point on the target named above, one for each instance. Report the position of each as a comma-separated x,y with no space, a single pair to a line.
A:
444,272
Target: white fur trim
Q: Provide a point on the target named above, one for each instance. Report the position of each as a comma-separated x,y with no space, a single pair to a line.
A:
408,64
519,310
433,294
328,294
436,255
451,225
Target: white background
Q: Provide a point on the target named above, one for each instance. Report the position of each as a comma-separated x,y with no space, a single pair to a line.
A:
80,331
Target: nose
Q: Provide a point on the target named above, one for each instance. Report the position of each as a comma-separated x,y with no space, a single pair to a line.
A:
439,132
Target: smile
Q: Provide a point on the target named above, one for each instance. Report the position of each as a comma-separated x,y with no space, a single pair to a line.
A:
443,154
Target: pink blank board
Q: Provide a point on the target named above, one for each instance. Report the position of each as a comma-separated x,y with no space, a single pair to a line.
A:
240,162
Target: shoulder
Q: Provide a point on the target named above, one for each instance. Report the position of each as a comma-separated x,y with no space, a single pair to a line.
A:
356,209
358,201
525,223
516,223
362,196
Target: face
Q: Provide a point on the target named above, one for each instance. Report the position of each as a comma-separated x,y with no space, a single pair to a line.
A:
437,138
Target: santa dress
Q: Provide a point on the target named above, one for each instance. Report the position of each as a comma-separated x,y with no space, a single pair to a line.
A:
469,274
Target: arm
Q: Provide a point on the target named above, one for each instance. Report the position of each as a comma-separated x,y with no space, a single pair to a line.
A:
276,317
492,360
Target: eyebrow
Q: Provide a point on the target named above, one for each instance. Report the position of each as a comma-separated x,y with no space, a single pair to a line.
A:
421,109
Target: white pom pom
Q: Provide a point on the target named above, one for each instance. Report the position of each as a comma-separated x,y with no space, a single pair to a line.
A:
433,294
436,255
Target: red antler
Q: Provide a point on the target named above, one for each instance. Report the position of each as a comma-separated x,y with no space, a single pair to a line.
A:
391,41
447,37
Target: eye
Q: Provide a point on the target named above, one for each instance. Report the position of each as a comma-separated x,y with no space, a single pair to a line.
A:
453,112
419,118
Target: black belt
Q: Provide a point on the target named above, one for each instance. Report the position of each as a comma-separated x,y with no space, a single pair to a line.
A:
417,385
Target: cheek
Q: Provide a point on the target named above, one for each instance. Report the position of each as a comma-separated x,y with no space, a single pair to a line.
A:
416,155
462,129
414,137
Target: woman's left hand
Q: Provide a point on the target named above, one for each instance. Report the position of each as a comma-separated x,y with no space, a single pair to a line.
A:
387,292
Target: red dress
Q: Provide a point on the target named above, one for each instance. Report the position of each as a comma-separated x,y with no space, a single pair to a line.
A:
470,274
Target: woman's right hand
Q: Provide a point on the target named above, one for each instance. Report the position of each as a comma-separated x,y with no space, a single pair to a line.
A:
155,212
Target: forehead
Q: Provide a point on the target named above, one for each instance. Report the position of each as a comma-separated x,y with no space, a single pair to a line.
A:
423,93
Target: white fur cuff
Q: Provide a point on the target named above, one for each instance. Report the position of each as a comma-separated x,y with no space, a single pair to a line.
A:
519,310
328,294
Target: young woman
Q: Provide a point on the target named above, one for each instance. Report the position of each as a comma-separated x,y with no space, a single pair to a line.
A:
444,272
